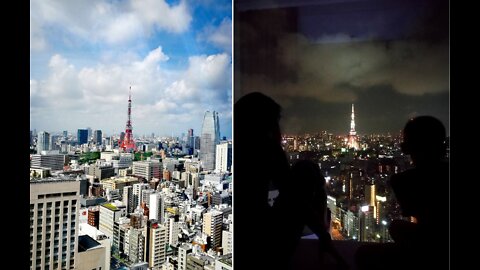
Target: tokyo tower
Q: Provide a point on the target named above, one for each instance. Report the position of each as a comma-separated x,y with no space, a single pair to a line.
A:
128,145
352,137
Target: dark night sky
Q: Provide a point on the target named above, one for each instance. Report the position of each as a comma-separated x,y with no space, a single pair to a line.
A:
390,58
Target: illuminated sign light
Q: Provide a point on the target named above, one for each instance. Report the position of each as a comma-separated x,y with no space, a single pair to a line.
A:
365,208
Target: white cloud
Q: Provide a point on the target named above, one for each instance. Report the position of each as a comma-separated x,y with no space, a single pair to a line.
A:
159,14
104,21
220,36
152,59
163,101
122,28
62,84
209,71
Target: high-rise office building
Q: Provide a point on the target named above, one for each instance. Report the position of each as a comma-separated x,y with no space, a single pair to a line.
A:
147,169
97,137
52,145
191,139
54,223
223,158
82,136
212,226
367,222
65,134
43,141
209,138
370,194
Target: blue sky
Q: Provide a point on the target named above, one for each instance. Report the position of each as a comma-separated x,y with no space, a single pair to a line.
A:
84,55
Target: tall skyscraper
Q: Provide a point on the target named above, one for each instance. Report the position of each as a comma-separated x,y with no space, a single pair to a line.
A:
209,138
352,137
82,136
127,144
191,139
223,159
65,134
54,204
43,141
97,138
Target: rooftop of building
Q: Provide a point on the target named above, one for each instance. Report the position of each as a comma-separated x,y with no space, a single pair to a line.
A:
52,179
186,246
110,206
226,259
85,242
119,179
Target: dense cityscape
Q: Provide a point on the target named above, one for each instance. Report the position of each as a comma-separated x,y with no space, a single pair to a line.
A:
119,202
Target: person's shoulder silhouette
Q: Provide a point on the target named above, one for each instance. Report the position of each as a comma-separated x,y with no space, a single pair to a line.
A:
422,192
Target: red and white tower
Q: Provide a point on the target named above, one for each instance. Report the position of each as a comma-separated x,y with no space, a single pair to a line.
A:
128,145
352,137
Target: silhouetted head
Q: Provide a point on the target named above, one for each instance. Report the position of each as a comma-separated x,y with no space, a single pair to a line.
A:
424,139
258,114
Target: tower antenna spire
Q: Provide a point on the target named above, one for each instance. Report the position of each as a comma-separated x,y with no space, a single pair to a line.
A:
352,137
128,144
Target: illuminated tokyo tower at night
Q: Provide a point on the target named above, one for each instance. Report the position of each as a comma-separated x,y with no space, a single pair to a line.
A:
352,137
128,145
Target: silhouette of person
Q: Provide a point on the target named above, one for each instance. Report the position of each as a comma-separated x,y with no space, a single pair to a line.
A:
259,165
422,193
306,197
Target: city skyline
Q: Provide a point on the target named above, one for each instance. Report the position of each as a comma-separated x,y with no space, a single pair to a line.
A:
84,56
